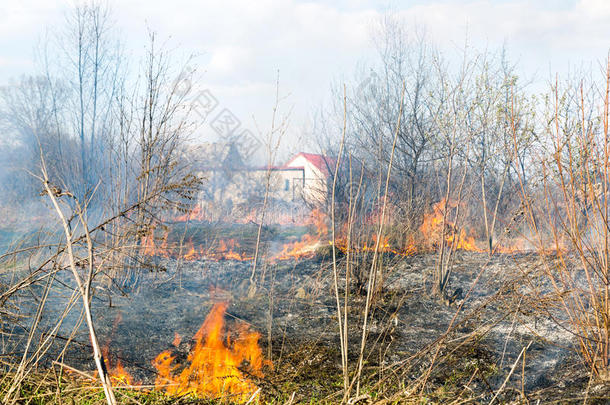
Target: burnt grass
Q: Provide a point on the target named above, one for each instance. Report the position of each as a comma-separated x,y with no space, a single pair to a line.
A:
489,306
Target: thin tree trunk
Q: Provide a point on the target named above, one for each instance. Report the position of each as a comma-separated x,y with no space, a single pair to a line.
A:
488,236
84,288
342,332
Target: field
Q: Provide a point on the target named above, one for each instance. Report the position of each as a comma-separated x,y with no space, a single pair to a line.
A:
489,339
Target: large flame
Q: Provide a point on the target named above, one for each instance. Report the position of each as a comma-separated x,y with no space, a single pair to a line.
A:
213,369
214,364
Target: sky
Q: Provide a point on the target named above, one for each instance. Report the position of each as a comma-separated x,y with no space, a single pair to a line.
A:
241,45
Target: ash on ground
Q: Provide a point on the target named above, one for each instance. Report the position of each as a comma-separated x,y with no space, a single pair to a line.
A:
484,323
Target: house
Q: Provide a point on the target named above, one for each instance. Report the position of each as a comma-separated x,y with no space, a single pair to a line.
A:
231,188
303,178
315,173
226,179
215,156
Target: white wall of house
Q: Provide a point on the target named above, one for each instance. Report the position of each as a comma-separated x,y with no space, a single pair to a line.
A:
315,188
284,184
230,189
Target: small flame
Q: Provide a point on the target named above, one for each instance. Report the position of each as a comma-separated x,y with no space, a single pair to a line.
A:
119,375
196,214
228,249
191,253
307,245
177,339
225,249
299,249
432,229
149,246
384,247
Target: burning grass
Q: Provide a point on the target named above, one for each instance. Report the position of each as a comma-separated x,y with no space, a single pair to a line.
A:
214,365
292,317
203,240
163,316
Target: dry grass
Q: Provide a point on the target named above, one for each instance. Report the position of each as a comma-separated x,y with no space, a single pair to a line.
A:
575,211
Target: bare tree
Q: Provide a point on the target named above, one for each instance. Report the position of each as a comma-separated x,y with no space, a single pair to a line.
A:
131,136
404,57
90,70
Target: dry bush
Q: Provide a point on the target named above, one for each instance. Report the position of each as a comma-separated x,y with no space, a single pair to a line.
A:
567,212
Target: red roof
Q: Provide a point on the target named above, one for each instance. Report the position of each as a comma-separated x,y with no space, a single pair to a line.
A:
323,163
277,168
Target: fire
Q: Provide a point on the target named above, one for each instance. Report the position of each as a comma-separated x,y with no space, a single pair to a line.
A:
149,246
432,229
309,243
298,249
119,375
228,249
191,254
306,246
222,250
464,242
196,214
214,363
384,247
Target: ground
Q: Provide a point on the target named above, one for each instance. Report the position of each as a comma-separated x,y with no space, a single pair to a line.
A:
466,346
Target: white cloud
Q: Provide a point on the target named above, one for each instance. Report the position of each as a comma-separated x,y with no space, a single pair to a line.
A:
243,42
229,60
538,34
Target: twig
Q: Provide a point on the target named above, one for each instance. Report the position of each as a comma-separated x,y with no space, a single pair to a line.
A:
510,373
83,289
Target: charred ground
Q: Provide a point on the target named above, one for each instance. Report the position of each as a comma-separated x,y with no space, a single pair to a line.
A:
465,345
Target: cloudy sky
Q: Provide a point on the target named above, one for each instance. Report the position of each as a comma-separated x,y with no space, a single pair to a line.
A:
241,44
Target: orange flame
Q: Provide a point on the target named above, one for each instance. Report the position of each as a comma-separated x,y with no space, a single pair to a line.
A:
302,248
191,254
225,250
119,375
214,366
149,246
307,245
196,214
384,247
432,229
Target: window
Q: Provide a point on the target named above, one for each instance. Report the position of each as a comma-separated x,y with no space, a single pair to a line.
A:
286,185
